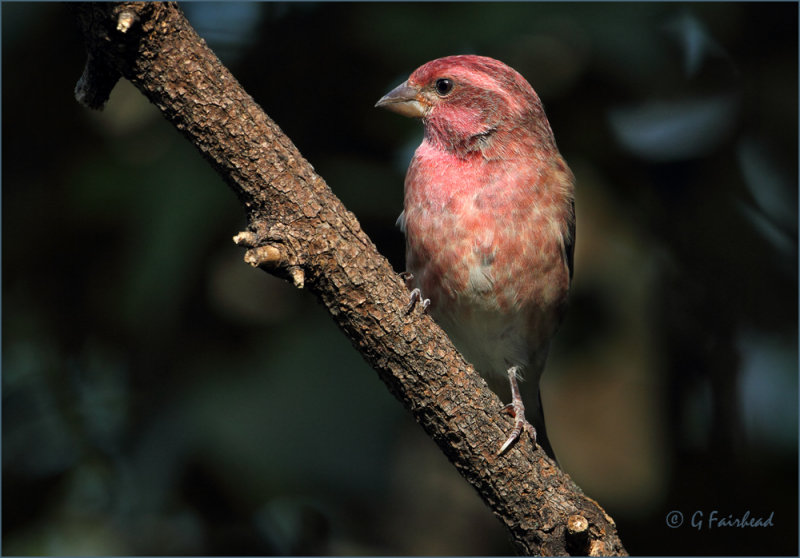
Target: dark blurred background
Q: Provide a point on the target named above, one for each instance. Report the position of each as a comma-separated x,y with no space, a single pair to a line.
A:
162,397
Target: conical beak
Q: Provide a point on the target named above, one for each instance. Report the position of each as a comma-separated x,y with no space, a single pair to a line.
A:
404,99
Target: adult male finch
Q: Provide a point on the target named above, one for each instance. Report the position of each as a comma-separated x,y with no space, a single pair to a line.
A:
489,219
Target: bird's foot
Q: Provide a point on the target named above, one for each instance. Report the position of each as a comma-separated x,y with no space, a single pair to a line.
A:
414,298
517,410
407,278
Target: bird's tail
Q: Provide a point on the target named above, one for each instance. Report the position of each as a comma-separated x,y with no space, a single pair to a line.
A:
537,419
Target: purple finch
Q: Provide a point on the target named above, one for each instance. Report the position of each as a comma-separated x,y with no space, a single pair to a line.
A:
489,219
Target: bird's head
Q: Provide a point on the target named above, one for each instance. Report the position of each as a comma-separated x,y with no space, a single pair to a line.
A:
466,101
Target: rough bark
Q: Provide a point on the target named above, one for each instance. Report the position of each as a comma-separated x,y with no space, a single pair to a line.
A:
300,231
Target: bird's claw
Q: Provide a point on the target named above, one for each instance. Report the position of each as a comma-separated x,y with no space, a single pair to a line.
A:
517,410
414,298
407,277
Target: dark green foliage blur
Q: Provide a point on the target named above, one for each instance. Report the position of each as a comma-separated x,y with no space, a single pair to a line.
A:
159,396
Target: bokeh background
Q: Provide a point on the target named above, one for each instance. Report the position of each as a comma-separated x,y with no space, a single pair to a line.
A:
159,396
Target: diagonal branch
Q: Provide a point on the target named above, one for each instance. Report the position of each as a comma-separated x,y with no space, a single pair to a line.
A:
300,231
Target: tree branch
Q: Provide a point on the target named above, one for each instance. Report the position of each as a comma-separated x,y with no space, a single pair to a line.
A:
300,231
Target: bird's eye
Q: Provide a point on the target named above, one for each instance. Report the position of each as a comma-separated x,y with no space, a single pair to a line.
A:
444,86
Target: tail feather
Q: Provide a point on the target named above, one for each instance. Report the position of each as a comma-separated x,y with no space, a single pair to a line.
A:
537,419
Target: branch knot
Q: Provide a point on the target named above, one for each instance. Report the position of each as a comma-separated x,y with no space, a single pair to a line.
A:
271,257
